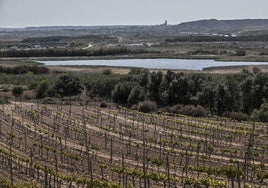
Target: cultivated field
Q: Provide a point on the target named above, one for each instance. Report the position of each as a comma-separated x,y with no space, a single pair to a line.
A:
51,146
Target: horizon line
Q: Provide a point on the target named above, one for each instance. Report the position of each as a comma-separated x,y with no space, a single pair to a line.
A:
114,25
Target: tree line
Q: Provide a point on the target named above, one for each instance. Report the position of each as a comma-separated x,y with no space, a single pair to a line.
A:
223,95
57,52
63,39
198,38
22,69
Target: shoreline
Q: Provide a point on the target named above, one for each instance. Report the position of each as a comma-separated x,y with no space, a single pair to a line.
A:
124,69
149,56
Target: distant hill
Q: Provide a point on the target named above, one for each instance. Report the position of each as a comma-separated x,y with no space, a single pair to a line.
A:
211,27
238,27
225,26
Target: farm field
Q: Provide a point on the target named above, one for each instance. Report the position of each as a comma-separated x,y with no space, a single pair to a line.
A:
85,145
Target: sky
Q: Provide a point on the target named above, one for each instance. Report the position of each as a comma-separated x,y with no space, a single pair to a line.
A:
23,13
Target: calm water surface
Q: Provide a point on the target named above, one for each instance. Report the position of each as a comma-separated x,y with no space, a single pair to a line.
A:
171,64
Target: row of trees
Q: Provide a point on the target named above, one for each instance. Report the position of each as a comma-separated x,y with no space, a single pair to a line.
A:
54,52
64,39
198,38
22,69
219,94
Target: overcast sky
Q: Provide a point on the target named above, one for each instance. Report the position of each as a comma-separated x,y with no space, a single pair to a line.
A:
21,13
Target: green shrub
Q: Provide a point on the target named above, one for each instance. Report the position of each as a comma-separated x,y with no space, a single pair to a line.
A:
238,116
174,109
147,106
190,110
240,52
261,114
103,105
3,100
107,72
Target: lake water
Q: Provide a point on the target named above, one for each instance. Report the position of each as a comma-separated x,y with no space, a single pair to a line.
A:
171,64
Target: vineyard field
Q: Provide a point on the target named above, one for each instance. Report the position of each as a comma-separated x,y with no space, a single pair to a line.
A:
47,145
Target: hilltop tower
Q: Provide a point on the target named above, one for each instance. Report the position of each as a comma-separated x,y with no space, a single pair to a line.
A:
165,22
